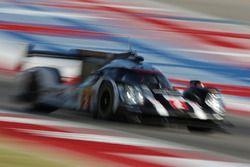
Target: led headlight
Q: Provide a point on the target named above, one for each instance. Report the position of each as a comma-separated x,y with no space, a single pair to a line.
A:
132,95
214,101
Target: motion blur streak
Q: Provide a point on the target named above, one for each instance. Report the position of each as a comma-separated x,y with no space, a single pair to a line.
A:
50,30
170,26
183,41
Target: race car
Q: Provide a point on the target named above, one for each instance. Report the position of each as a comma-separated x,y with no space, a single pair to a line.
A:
115,85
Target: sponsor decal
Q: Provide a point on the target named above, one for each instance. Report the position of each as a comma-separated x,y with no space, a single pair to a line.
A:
85,98
177,103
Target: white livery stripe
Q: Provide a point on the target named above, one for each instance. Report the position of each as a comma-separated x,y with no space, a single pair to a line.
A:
198,111
158,106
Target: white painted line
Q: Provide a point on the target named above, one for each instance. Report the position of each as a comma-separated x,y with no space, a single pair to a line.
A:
182,162
247,55
47,122
27,12
106,139
117,6
31,121
237,103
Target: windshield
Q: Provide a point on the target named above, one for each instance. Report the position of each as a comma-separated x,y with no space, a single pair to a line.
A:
152,79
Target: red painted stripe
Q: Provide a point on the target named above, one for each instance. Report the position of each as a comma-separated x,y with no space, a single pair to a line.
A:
236,93
14,125
219,86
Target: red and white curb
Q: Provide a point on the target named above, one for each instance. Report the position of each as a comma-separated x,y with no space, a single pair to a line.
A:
107,144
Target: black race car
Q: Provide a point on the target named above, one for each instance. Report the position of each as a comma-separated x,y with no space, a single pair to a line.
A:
118,84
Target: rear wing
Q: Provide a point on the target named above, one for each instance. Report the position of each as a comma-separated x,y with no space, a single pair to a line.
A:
79,54
85,61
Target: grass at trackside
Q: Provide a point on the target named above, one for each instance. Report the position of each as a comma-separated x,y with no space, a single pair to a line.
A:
13,158
19,153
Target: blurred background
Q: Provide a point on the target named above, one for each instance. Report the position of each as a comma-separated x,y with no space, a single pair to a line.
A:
185,39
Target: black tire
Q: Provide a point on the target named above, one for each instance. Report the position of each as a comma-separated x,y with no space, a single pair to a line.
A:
105,101
55,73
32,87
45,107
26,87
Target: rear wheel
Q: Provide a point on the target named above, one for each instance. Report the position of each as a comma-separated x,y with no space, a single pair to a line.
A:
30,87
105,101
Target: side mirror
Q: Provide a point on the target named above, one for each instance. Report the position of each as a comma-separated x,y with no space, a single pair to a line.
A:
98,73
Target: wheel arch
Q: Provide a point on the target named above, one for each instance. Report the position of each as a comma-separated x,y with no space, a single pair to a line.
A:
42,76
116,99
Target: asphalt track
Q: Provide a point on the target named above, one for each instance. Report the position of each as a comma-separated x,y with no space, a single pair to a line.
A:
231,142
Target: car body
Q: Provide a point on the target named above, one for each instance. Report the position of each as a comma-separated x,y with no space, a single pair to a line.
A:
117,84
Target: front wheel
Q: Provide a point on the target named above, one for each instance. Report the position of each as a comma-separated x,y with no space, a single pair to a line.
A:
105,102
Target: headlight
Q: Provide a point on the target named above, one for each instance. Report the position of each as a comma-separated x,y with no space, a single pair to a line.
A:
132,95
214,101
